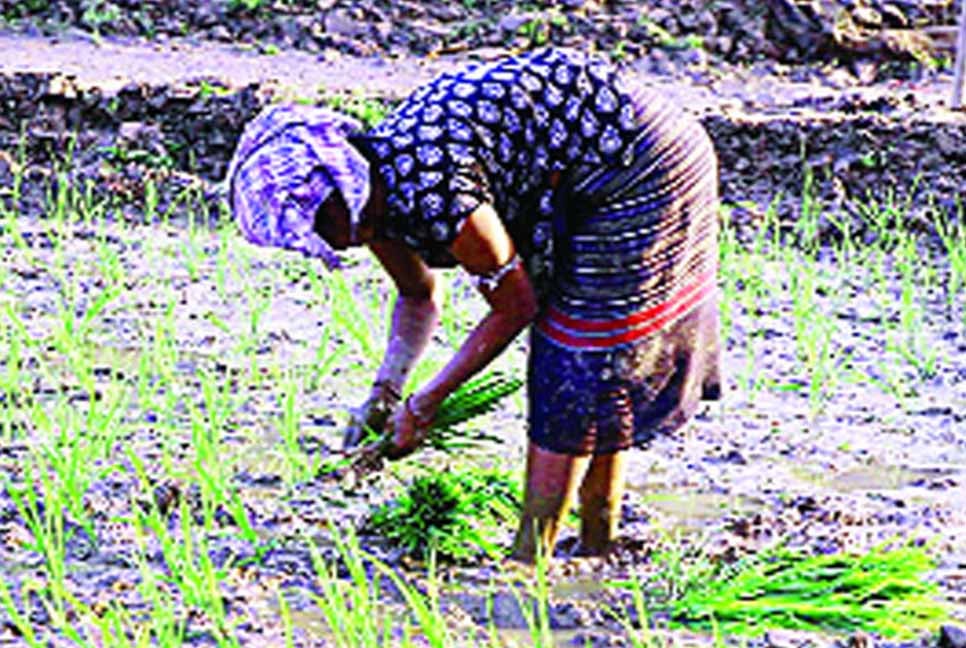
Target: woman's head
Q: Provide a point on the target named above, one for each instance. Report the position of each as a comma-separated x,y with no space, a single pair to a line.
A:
289,161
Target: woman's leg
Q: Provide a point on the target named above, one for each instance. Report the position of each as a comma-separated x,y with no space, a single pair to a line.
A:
601,493
552,480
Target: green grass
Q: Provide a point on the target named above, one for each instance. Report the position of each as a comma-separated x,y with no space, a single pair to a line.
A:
369,111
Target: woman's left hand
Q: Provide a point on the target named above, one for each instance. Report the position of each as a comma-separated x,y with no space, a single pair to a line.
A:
405,431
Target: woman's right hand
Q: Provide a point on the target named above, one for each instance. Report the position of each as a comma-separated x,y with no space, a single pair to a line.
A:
372,415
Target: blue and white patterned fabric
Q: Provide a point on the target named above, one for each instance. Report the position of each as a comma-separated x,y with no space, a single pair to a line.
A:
497,133
289,160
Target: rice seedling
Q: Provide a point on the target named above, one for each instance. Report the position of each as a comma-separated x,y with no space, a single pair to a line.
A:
953,238
20,619
636,628
191,257
459,302
474,398
109,263
287,626
110,624
61,392
807,223
377,606
355,611
211,469
300,466
42,514
259,301
534,602
327,355
728,247
163,624
69,459
243,522
189,566
222,262
13,378
818,273
911,344
348,316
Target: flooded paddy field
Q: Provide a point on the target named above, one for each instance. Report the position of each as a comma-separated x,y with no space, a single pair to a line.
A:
170,394
172,399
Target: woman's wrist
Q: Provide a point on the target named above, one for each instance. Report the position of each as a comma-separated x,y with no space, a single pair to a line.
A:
385,392
422,409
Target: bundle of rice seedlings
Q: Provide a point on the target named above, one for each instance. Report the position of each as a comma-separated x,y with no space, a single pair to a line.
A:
474,398
883,591
452,513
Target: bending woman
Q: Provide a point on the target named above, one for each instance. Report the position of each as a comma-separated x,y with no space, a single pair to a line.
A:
581,205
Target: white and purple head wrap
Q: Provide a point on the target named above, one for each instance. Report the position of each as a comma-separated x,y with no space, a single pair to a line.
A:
288,161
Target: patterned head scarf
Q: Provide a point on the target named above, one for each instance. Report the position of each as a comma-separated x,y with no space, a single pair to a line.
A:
289,160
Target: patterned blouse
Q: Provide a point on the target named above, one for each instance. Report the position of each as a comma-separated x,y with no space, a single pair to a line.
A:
500,133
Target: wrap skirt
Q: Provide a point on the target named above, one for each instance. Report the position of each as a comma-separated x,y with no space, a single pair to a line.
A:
627,342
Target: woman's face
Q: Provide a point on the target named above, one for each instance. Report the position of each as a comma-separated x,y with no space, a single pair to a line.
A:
332,222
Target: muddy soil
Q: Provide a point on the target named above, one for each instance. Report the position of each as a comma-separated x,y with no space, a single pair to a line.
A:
734,32
766,463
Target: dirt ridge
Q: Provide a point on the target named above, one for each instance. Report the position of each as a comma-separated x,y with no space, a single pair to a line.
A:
182,106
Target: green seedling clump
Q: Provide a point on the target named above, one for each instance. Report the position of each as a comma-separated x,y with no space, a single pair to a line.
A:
883,591
451,514
474,398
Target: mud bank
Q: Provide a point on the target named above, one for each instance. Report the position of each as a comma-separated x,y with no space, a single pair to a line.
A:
775,129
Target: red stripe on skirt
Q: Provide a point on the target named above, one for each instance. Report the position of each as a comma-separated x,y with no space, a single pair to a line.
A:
568,330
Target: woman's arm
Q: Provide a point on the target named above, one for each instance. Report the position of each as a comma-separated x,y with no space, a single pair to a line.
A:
414,317
415,313
483,248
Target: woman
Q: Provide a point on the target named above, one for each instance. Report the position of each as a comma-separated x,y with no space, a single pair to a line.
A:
579,205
